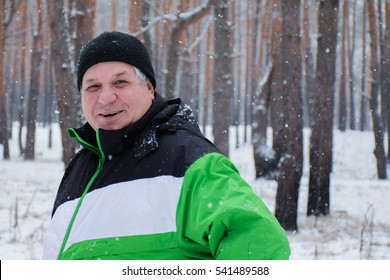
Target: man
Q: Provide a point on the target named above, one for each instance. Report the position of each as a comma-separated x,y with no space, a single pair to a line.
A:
147,184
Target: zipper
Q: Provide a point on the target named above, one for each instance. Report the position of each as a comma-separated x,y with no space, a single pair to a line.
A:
102,158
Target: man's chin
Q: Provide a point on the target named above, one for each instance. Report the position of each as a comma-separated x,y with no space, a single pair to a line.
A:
111,127
113,123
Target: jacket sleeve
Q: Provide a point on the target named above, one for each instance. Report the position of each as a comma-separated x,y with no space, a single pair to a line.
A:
220,217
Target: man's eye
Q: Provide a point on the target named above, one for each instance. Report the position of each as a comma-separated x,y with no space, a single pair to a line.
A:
93,88
120,82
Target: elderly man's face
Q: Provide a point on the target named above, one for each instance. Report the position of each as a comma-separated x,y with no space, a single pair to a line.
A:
113,96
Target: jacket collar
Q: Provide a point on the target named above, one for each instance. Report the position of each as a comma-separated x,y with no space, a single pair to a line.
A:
142,133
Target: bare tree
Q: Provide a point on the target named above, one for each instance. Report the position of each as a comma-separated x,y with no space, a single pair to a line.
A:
23,75
188,52
321,139
177,33
379,151
363,85
223,87
385,78
34,84
3,113
135,14
5,20
291,136
206,77
114,17
84,23
344,75
351,52
68,97
308,64
276,83
261,86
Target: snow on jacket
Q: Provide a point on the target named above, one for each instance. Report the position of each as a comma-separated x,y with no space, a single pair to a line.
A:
158,189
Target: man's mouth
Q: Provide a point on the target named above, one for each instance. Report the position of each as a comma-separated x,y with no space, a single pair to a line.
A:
110,114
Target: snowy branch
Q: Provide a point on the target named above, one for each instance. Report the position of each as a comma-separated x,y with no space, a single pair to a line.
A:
201,36
265,78
185,17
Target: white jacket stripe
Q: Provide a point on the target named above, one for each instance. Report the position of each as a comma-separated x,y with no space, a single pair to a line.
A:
145,206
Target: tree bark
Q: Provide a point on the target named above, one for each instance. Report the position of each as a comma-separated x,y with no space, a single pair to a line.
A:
264,156
84,20
291,162
223,87
175,49
363,85
351,78
3,113
343,92
34,86
66,90
114,14
321,139
379,150
385,78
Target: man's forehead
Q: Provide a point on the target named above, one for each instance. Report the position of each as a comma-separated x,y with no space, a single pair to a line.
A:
113,71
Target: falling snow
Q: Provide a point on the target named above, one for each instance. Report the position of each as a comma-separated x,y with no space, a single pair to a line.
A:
357,228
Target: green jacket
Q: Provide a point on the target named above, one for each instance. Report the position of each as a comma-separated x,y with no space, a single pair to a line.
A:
158,190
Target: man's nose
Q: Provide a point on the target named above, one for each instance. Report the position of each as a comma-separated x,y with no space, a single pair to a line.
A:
107,96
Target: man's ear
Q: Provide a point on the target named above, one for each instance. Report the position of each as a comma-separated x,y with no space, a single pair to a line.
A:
150,87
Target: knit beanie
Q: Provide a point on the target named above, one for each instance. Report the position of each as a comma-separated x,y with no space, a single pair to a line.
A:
114,46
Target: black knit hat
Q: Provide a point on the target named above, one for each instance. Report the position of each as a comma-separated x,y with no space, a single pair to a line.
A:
114,46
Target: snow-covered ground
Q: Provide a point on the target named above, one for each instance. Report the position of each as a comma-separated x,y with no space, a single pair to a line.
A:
357,228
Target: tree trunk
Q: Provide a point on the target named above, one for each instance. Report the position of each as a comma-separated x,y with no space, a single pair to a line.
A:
291,163
321,140
33,98
23,79
385,79
176,46
84,24
259,135
3,113
264,157
351,52
223,87
208,74
135,15
277,94
66,90
50,100
344,72
379,150
363,85
34,85
308,63
114,14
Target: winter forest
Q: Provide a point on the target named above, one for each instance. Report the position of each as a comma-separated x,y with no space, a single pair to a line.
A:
292,91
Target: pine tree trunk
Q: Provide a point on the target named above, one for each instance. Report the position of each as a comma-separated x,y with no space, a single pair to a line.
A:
363,87
223,86
36,59
385,79
344,72
291,162
84,24
379,150
321,140
33,99
66,90
3,107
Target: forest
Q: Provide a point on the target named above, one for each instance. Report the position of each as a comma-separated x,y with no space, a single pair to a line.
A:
271,65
